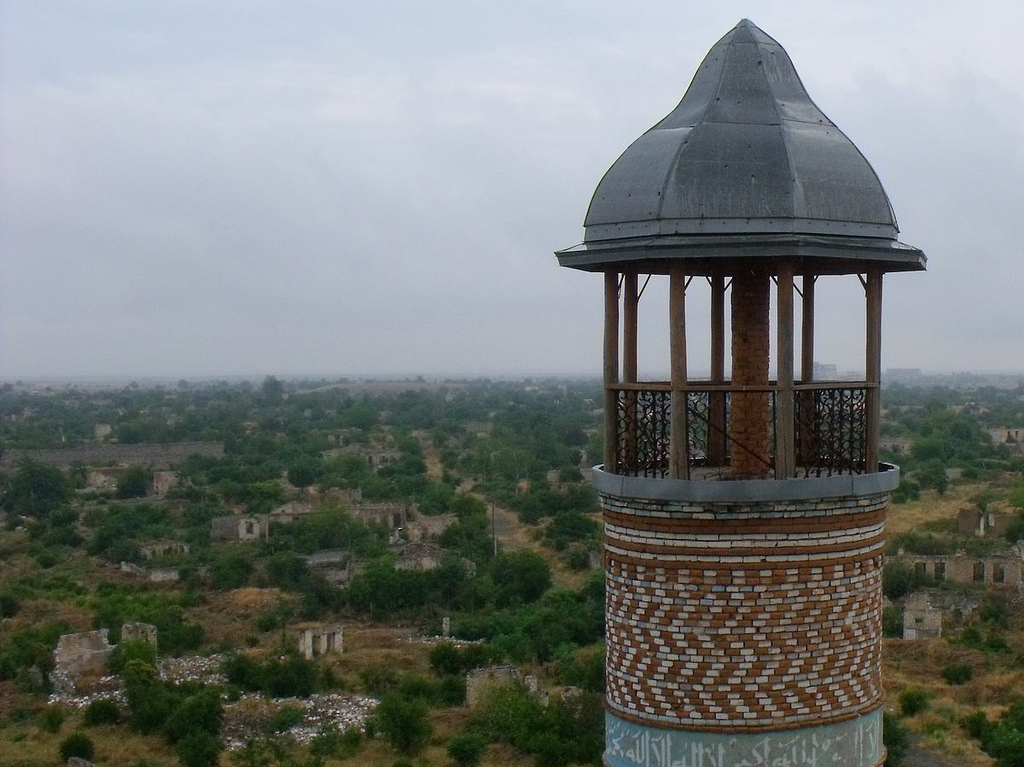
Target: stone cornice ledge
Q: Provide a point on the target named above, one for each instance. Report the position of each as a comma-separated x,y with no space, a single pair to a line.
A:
748,490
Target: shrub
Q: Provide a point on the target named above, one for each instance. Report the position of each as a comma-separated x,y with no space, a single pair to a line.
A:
466,749
378,680
336,743
201,712
896,738
286,718
199,749
913,700
9,604
403,723
444,659
131,649
51,718
77,744
102,711
957,673
976,725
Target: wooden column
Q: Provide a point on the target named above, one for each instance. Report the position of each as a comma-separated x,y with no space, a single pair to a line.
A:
807,330
873,365
716,400
611,370
679,459
630,307
785,406
807,417
628,425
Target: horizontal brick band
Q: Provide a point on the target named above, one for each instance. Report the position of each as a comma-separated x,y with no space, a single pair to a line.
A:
717,526
650,555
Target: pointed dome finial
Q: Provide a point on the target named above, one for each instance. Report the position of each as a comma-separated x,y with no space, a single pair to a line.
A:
745,153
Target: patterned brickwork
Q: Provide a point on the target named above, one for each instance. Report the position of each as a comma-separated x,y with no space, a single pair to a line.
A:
758,617
750,332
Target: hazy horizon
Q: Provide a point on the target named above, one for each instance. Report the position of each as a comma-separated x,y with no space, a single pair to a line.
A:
214,189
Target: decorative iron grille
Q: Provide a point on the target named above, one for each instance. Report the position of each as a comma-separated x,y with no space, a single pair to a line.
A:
643,429
830,430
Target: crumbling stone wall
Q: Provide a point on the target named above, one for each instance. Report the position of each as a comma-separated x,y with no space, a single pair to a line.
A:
78,656
960,568
480,680
237,528
921,619
315,641
134,631
391,515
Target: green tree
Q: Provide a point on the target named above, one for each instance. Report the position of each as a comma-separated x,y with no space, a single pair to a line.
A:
272,389
34,490
231,568
304,472
134,483
149,701
403,723
521,576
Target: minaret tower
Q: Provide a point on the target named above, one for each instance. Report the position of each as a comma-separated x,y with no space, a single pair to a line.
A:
743,514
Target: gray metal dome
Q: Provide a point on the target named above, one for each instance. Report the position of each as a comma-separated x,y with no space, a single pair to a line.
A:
745,166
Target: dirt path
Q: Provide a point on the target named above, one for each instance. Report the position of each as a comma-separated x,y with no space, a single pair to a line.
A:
431,455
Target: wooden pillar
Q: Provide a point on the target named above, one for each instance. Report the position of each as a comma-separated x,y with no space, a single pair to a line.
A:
679,454
806,415
785,406
611,370
716,400
807,330
873,365
628,430
630,307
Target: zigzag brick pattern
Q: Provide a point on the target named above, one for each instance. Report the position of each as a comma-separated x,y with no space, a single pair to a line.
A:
759,617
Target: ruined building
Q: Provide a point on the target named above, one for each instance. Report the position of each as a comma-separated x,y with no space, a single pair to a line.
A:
744,513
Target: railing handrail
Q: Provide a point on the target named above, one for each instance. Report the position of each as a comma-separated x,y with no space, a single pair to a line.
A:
727,386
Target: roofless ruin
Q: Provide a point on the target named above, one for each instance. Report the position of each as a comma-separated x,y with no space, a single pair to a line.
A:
743,515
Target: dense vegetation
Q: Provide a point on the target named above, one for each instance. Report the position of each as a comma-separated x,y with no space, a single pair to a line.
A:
453,453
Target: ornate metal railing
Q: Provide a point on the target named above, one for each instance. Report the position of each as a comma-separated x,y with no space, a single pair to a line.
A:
830,428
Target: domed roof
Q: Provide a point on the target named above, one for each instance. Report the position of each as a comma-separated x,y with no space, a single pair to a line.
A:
745,165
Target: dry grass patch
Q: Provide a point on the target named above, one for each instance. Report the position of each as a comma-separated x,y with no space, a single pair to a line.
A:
229,618
904,517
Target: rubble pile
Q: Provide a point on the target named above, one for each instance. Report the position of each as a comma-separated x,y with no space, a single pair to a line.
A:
105,687
443,640
205,670
249,717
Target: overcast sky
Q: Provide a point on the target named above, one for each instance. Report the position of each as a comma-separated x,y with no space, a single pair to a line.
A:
226,187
